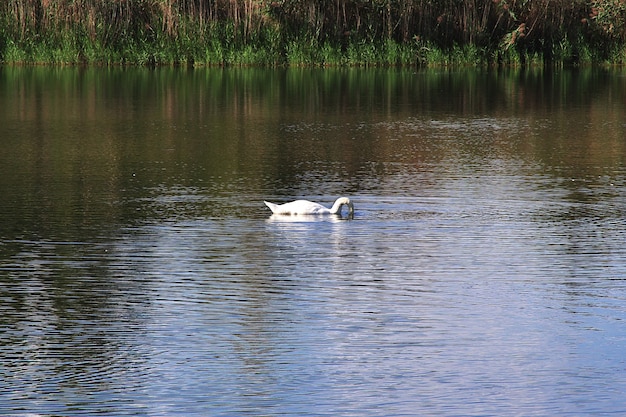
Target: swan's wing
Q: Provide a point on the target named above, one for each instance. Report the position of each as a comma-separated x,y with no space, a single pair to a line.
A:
308,207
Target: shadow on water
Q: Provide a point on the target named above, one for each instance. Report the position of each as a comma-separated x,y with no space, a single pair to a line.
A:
141,273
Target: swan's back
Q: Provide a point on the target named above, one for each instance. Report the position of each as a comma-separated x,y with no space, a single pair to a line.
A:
303,207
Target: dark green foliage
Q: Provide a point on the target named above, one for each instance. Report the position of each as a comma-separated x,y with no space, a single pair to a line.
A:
313,32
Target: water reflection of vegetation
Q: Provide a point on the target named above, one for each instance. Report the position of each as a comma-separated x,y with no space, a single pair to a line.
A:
81,141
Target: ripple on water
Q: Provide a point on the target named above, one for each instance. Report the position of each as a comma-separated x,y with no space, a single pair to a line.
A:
482,274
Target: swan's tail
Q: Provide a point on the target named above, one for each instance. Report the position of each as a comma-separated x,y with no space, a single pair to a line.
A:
271,206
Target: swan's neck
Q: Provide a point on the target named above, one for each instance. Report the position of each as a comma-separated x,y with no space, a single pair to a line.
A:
336,208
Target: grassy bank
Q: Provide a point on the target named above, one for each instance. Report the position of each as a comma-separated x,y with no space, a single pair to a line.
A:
307,32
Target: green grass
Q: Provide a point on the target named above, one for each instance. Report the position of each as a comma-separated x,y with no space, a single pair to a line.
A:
223,44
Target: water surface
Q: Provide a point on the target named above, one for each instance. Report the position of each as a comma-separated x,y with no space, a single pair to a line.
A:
484,272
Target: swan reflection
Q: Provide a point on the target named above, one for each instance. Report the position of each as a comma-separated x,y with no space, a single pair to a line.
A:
281,218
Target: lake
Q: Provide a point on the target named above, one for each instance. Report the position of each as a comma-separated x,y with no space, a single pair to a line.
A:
483,273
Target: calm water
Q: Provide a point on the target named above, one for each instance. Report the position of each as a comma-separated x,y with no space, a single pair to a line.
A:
484,272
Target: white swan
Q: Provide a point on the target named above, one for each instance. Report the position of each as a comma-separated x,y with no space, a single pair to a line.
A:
305,207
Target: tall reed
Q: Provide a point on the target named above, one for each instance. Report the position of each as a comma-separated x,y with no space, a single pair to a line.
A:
316,31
